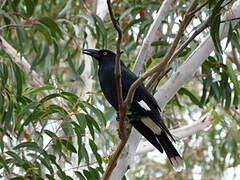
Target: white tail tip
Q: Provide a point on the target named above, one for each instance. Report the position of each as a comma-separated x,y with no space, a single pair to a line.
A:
177,163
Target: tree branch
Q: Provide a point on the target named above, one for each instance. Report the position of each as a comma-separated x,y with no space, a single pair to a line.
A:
121,106
157,77
186,43
14,26
34,79
117,72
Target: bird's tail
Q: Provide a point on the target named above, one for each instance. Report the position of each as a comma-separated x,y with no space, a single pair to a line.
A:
161,142
171,151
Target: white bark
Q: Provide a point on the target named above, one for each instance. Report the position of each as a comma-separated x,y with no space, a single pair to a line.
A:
102,8
151,35
191,129
183,74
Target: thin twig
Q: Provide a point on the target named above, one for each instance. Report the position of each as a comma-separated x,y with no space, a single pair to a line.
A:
159,78
121,106
185,44
196,33
232,19
198,9
117,71
14,26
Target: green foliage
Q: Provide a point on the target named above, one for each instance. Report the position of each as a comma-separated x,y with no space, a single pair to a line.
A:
22,109
215,24
217,83
63,130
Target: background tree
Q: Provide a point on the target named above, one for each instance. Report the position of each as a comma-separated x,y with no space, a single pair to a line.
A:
55,122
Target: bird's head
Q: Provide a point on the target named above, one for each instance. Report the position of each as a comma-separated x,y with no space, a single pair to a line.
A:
100,55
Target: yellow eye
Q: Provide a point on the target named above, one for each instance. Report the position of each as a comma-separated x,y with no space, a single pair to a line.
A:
105,53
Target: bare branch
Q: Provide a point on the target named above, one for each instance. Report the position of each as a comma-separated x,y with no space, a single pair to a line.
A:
14,26
198,8
185,44
121,106
117,72
34,79
191,129
232,19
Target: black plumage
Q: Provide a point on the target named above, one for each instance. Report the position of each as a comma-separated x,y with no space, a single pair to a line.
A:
144,105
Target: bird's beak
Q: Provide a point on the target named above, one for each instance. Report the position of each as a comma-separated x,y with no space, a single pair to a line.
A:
92,52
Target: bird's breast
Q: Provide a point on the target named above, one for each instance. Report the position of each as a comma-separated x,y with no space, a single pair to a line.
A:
107,83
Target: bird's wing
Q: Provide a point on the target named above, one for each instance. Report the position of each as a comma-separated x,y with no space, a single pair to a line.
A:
143,102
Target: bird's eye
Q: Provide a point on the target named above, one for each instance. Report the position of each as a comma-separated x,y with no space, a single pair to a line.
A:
105,53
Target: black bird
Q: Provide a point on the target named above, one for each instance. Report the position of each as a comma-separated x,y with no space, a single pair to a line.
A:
144,105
